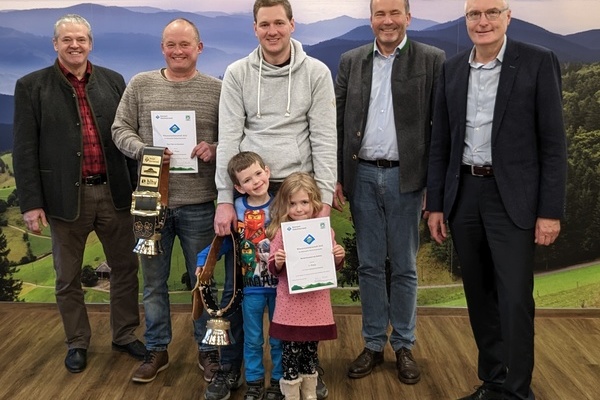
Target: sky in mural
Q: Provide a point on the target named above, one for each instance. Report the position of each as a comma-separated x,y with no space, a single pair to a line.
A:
558,16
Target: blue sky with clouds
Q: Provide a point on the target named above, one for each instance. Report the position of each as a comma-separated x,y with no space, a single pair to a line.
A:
559,16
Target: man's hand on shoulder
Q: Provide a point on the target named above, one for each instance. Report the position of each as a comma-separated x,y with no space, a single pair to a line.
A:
225,218
325,212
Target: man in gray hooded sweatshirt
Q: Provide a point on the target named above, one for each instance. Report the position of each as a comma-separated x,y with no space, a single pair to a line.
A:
280,103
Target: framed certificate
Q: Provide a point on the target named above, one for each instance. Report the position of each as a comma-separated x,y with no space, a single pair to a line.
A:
309,258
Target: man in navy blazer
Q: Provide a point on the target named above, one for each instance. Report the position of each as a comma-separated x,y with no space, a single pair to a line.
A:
497,172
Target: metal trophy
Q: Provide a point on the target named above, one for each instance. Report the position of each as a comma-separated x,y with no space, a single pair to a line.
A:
149,202
218,326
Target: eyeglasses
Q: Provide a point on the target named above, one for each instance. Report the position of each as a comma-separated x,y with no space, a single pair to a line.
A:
491,15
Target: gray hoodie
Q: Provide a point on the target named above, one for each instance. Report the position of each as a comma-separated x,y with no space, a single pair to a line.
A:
285,114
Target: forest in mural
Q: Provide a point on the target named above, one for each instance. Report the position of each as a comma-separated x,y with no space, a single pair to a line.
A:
127,40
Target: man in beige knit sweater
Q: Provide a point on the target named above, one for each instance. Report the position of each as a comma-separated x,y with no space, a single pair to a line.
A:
190,213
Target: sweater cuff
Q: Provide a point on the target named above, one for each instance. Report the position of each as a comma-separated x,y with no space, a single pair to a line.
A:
327,197
225,196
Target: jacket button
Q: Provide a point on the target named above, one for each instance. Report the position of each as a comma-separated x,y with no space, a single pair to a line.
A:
77,183
78,154
354,157
358,133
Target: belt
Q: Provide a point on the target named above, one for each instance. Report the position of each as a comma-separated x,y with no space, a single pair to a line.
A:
475,170
98,179
381,163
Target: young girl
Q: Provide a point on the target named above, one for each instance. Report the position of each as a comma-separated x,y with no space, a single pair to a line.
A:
300,320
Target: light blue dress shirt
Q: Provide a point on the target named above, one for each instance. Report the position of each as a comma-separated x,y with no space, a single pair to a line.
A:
380,142
481,99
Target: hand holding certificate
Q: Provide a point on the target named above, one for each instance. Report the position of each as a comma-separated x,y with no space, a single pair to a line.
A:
176,130
310,262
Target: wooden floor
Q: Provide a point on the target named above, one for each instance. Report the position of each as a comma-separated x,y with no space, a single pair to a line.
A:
32,354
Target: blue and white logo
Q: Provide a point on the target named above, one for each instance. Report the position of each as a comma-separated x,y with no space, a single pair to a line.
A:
309,239
174,128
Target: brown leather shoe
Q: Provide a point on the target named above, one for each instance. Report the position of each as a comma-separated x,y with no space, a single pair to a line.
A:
154,362
364,363
408,370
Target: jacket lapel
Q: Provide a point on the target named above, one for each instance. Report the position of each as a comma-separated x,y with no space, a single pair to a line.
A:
366,77
510,67
460,91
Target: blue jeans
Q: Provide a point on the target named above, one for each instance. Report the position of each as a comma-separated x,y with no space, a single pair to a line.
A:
387,226
193,225
253,308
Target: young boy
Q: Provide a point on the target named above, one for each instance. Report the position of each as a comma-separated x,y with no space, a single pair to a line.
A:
250,177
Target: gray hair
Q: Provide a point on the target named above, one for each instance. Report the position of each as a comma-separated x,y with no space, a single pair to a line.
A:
506,5
72,19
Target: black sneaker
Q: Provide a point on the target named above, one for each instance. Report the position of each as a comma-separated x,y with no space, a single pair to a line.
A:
224,381
322,391
255,391
274,391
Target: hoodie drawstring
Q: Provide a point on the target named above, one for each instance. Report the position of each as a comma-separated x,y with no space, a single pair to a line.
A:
289,89
259,79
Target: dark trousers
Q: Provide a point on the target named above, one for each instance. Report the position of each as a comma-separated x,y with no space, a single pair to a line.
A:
299,358
115,231
496,259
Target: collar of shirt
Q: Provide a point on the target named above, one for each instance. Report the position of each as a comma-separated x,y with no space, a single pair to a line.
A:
67,73
499,57
400,46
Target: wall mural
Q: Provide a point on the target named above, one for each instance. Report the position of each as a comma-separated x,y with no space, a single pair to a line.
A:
127,39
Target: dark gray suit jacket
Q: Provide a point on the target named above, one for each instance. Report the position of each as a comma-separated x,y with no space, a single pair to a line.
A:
48,144
414,74
528,136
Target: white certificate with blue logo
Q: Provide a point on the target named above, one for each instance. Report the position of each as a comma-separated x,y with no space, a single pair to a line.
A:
176,130
309,258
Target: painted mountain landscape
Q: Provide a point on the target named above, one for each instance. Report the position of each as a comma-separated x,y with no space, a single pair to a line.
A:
127,39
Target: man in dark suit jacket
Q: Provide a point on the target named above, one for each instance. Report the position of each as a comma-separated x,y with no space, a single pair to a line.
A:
384,97
70,174
497,172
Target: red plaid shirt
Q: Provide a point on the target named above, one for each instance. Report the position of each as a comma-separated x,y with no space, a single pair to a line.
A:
93,159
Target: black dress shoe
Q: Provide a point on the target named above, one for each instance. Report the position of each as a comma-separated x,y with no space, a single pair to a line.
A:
76,360
408,369
135,349
485,392
364,363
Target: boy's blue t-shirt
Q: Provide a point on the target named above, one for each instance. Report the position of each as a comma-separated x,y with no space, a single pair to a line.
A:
254,245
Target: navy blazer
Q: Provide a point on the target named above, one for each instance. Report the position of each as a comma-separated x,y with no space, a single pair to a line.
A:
528,135
414,74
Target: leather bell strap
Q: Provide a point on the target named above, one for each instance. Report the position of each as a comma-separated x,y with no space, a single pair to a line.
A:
205,280
204,277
